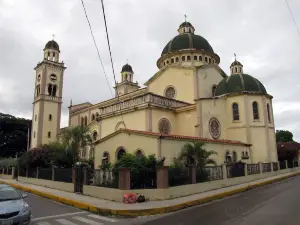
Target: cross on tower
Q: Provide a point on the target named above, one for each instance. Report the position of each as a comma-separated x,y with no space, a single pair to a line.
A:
234,56
127,61
185,16
53,36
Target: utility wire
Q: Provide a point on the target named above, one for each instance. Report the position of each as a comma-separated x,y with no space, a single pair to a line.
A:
111,60
107,37
96,47
286,1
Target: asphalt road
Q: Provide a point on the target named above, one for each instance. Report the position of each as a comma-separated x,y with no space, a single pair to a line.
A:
48,212
274,204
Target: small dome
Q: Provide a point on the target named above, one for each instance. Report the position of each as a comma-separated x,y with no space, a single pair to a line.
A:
240,83
127,68
186,24
236,63
187,41
52,44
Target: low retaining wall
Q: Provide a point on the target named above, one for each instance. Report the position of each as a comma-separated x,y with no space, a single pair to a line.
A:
179,191
4,176
63,186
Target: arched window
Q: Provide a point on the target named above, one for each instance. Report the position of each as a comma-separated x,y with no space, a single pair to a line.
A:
205,59
105,158
235,111
188,58
183,58
227,157
54,90
213,90
172,60
177,59
200,58
97,115
120,153
246,154
50,89
82,121
85,121
235,69
93,117
95,135
139,153
234,156
209,60
255,110
268,111
195,58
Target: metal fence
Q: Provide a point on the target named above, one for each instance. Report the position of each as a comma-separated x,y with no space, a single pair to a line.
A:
63,175
102,178
178,176
275,166
253,169
266,167
214,172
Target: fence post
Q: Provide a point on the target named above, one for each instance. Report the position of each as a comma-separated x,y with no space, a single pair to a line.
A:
13,172
260,167
124,179
286,164
53,173
162,177
272,167
37,172
224,171
85,176
192,174
246,169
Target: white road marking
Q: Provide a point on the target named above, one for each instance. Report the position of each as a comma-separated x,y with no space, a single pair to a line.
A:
103,218
65,222
44,223
91,222
59,215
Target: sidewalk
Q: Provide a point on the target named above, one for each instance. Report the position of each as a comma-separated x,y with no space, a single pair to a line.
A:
106,207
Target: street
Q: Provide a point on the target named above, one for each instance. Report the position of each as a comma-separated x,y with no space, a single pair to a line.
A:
47,212
274,204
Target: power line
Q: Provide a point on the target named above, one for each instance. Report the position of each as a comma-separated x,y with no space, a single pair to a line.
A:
107,37
111,60
96,47
286,1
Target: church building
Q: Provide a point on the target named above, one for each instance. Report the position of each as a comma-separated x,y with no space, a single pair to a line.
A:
189,98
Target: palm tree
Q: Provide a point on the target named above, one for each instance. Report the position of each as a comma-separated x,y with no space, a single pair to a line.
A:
76,138
195,153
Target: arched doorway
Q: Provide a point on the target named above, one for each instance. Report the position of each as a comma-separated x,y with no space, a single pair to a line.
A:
120,153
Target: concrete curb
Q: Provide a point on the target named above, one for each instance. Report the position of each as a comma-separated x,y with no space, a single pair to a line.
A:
144,212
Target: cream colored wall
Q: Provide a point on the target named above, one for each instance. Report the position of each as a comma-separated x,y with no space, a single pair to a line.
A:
50,108
186,121
182,79
158,114
213,108
134,120
172,148
34,128
207,77
130,142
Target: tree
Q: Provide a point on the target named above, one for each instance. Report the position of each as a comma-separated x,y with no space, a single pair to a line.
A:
284,136
13,135
76,138
195,153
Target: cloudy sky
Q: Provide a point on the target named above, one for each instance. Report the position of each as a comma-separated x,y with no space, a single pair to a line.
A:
261,33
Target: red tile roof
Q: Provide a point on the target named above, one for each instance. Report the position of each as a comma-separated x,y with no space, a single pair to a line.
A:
288,146
180,137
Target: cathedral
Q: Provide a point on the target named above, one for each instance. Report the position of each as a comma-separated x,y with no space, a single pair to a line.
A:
189,98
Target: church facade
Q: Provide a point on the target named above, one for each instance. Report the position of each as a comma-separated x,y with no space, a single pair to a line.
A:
189,98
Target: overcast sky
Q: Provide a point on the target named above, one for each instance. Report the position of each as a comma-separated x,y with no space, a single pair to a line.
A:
261,33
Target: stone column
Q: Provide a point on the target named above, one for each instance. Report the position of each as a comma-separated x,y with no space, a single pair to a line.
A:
272,168
260,167
192,174
246,169
124,179
286,164
73,175
13,172
162,177
37,172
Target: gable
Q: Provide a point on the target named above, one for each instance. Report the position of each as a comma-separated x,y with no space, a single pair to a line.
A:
180,78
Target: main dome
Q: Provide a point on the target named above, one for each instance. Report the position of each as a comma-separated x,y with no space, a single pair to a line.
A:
187,40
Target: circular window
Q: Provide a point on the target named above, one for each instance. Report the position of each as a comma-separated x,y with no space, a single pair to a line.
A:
164,126
53,77
214,128
170,92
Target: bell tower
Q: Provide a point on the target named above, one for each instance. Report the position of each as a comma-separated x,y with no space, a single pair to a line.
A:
47,99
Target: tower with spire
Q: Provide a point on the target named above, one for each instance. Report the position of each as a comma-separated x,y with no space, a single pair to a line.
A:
126,85
47,99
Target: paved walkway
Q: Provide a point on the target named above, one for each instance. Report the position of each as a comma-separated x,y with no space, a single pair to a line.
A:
147,208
